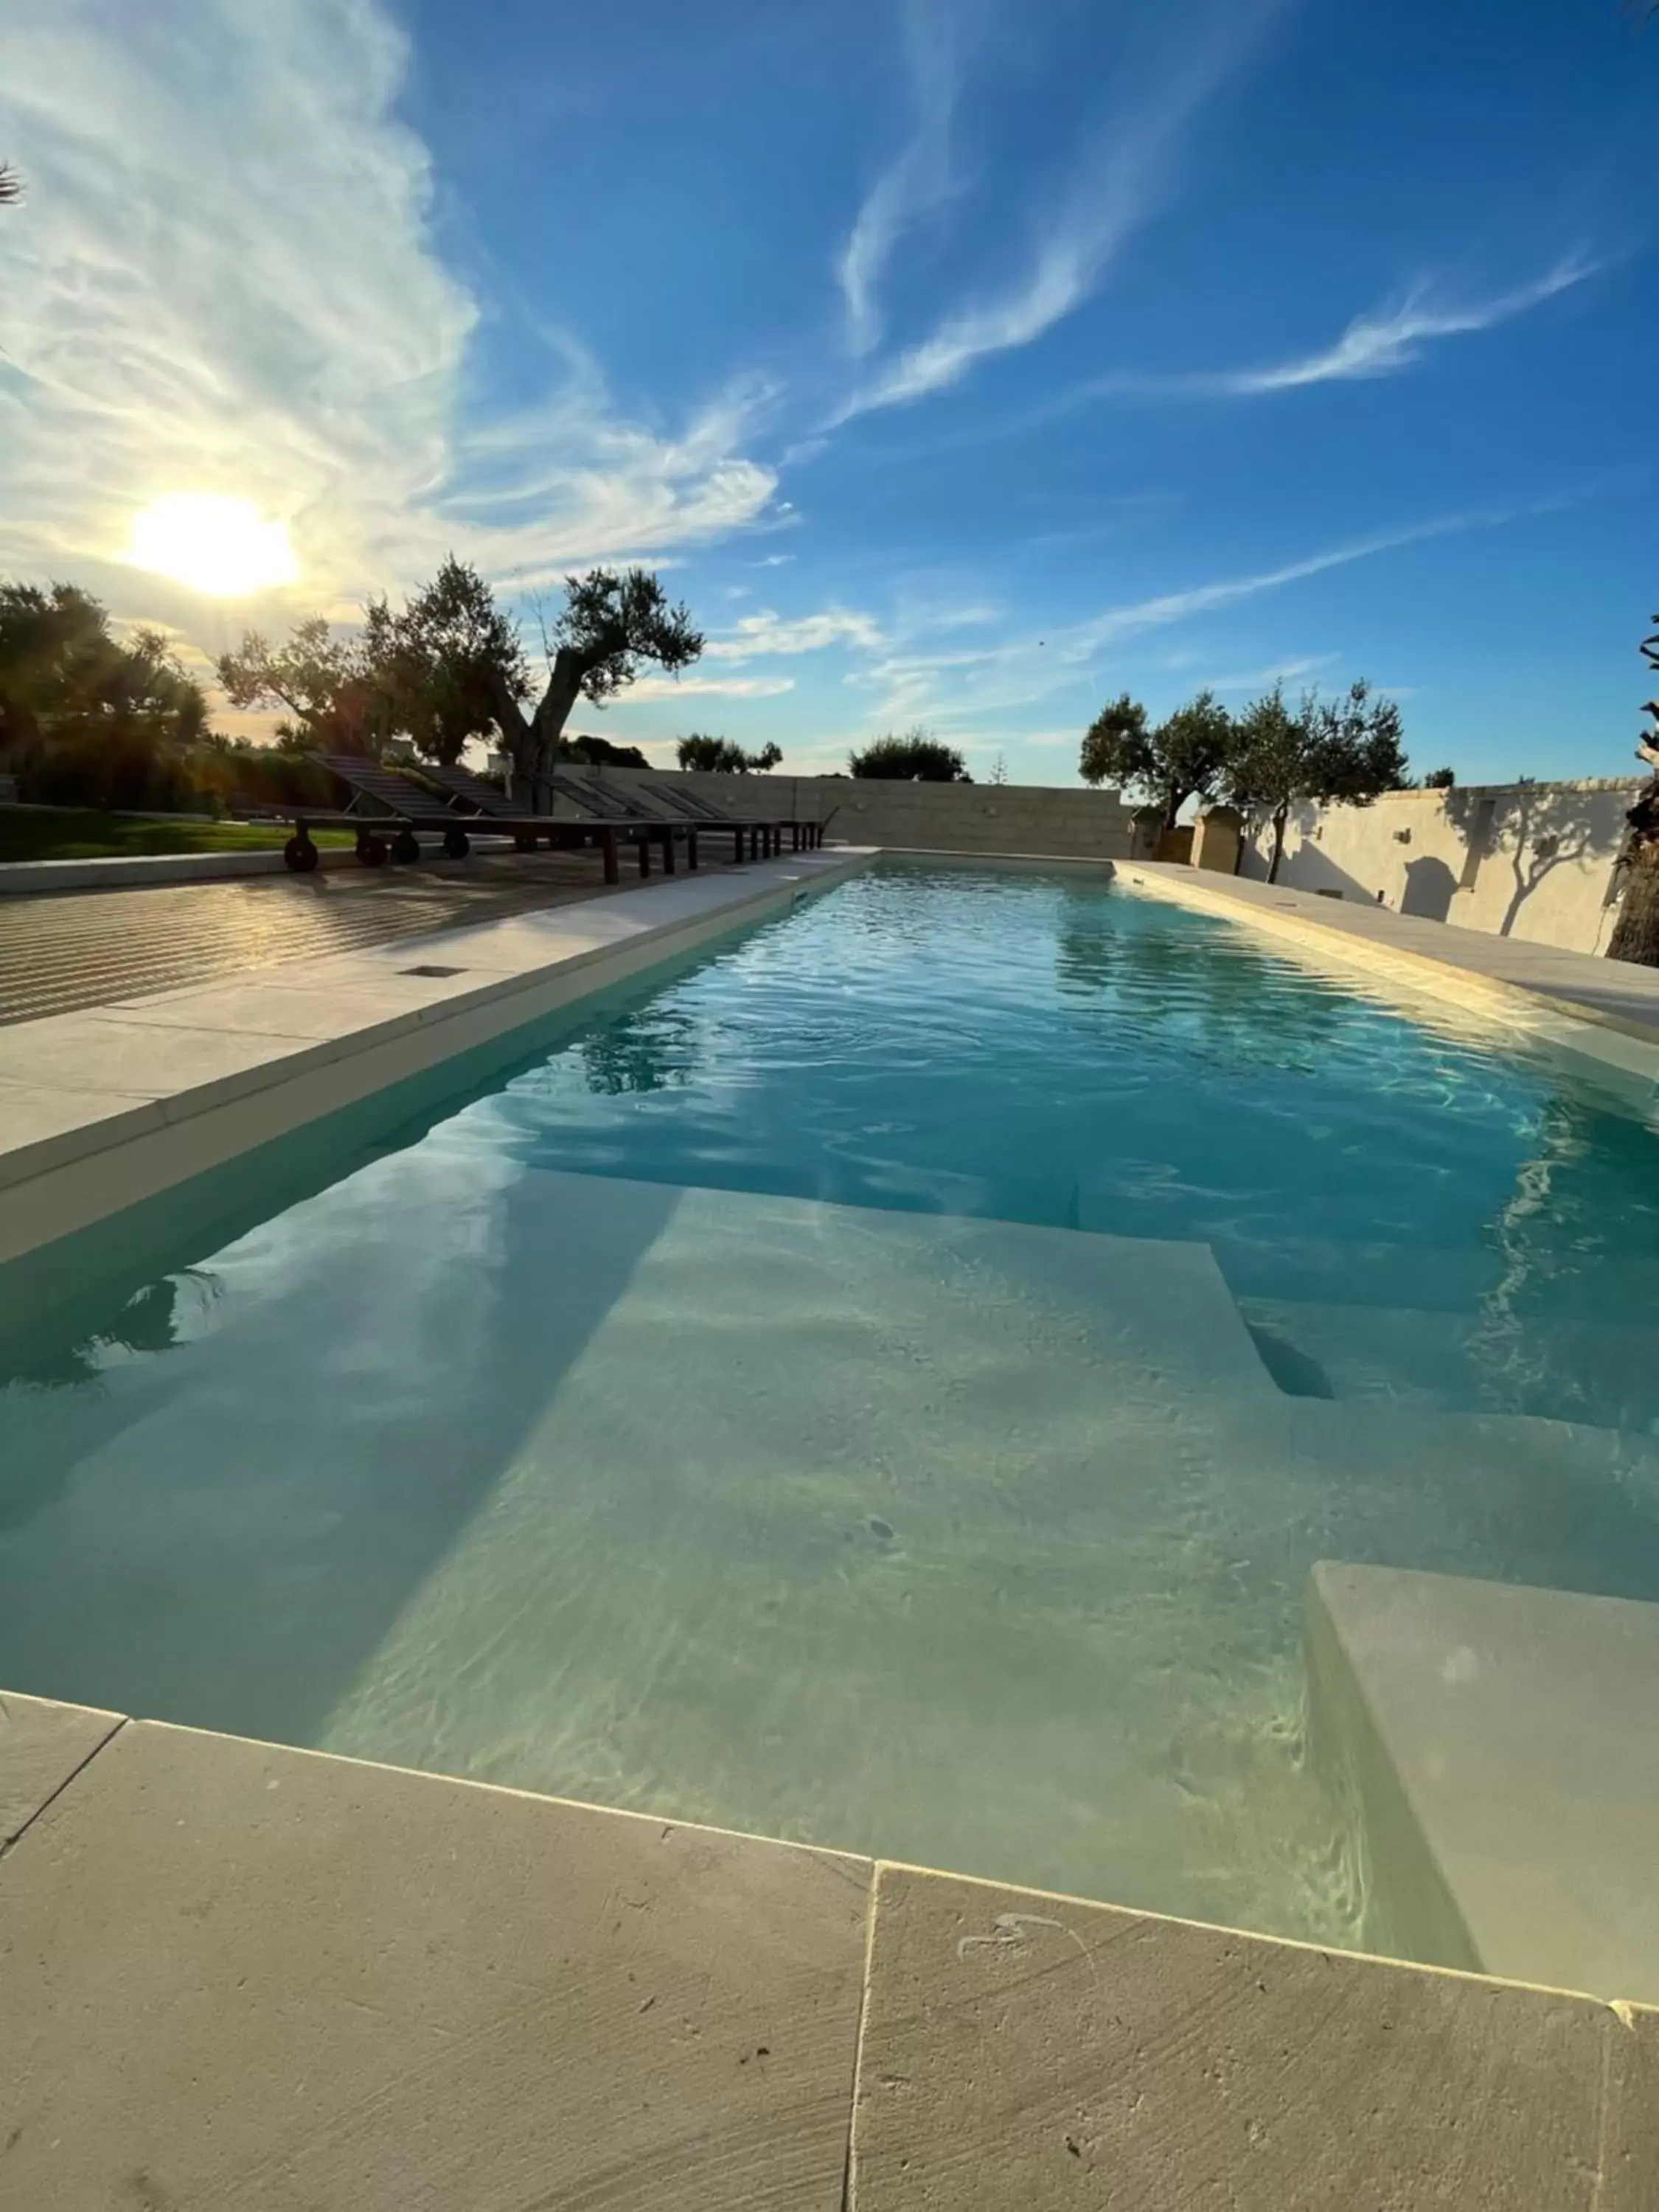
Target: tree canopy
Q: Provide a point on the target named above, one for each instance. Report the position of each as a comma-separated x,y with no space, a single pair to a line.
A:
451,666
429,673
913,757
324,684
600,752
1636,933
719,755
610,625
1347,749
84,711
436,666
1182,757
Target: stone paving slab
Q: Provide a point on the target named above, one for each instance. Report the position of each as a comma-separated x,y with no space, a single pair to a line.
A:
235,1975
45,1126
1630,2149
240,1978
42,1745
1032,2051
102,1052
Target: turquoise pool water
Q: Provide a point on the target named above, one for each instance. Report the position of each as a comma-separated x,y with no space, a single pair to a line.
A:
886,1382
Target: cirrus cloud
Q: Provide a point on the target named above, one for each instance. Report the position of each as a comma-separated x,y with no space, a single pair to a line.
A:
243,297
711,687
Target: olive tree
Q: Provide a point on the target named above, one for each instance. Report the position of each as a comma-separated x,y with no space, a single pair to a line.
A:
1347,749
914,758
612,624
1636,934
1185,756
721,757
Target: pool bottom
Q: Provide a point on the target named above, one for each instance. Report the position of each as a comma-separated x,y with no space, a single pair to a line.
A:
958,1542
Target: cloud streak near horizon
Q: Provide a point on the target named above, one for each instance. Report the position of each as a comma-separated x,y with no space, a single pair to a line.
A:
1085,640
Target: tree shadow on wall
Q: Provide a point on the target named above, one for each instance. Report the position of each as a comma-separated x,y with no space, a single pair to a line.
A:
1534,829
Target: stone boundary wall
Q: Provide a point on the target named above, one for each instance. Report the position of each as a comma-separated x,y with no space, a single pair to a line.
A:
1531,860
943,817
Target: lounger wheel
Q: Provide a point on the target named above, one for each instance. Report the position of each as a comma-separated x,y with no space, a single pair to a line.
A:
405,846
457,844
301,854
371,850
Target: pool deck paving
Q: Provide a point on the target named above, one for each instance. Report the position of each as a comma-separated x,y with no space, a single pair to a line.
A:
237,1976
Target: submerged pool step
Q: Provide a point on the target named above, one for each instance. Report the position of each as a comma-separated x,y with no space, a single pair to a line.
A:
1576,1370
1585,1283
1320,1271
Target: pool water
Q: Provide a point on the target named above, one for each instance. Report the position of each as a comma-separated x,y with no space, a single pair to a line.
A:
886,1382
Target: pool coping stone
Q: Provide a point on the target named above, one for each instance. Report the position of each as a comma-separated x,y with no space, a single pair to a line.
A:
452,1992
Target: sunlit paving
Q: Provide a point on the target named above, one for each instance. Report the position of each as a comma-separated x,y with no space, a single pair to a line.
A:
829,1085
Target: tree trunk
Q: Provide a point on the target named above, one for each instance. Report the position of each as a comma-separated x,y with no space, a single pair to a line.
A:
547,725
533,741
1635,933
1281,815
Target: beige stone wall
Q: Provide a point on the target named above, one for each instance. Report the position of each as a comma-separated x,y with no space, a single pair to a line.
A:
1526,860
942,817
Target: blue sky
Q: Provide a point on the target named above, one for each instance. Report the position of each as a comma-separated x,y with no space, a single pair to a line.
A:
962,363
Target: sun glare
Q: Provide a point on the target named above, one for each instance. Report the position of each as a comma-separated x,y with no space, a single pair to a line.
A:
212,544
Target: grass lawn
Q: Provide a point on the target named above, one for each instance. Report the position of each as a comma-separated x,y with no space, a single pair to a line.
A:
48,833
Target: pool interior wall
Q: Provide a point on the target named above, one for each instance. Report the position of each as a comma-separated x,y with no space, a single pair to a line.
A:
883,1379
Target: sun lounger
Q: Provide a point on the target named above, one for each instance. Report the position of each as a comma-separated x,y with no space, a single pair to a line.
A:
483,801
763,834
389,812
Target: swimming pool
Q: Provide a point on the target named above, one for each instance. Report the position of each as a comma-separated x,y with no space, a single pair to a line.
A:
883,1380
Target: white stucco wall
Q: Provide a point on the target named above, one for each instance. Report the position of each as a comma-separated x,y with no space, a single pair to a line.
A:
1528,861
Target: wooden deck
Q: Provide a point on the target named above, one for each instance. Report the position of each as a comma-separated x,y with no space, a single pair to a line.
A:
88,948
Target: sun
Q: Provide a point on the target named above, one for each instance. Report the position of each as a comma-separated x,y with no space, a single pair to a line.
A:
213,543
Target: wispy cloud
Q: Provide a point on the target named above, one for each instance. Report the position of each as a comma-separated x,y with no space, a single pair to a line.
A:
938,37
1381,343
242,295
1083,640
712,687
765,632
953,690
1112,195
1294,670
